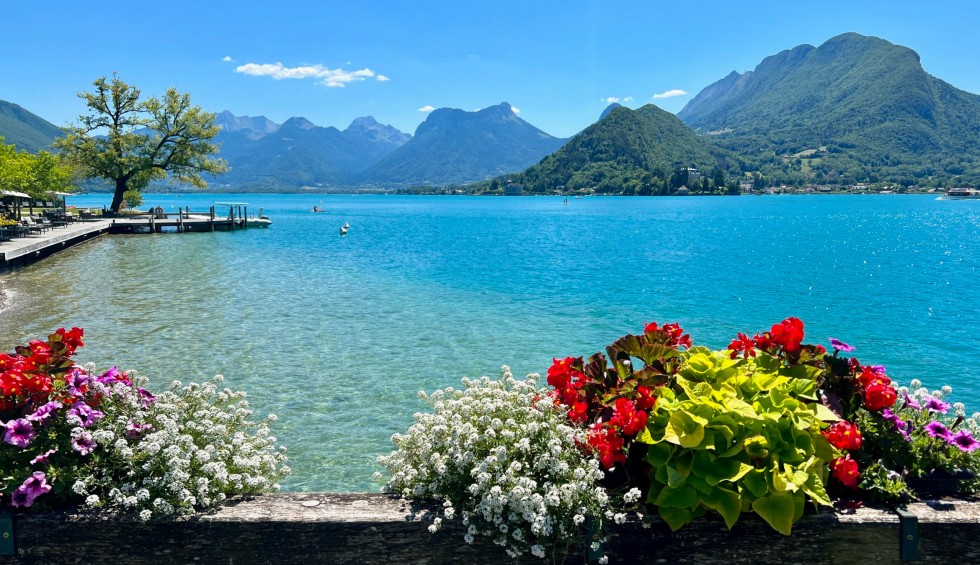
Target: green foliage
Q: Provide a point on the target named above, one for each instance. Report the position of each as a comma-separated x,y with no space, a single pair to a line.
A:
864,106
130,142
36,175
627,152
132,198
25,130
733,435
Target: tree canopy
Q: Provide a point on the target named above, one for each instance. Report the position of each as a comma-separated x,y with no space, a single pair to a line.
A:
130,142
36,175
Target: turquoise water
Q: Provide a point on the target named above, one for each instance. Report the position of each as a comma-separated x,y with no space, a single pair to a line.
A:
337,334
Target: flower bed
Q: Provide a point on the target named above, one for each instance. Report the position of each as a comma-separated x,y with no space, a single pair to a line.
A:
763,427
74,436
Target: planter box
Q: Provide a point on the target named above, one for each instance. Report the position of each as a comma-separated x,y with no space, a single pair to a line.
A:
372,528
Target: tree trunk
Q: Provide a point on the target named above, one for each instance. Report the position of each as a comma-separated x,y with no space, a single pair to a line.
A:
117,198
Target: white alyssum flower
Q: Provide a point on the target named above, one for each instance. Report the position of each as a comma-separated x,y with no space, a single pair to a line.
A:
505,459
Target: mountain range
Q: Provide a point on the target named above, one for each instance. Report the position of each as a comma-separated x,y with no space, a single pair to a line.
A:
854,109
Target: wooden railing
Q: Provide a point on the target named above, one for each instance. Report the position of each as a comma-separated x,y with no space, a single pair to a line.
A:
366,528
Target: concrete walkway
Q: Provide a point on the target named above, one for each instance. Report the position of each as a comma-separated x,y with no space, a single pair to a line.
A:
24,250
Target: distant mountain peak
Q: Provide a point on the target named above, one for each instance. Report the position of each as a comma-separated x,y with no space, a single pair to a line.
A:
298,123
609,109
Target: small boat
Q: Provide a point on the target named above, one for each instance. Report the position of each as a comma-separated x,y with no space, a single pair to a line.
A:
344,228
318,209
961,194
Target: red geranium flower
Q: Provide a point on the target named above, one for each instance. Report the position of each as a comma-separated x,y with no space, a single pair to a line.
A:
560,372
627,418
645,400
608,445
845,470
742,344
844,435
788,334
763,341
579,412
879,395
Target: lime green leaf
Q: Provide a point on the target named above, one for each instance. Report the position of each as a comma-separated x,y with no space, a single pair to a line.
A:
756,483
681,497
741,408
645,437
824,414
777,510
676,518
684,429
814,487
725,502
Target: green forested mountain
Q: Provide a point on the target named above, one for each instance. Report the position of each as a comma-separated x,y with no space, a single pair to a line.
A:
854,109
25,130
630,151
454,146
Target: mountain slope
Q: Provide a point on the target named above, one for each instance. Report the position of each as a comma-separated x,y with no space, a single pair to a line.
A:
25,130
638,148
454,146
299,153
867,102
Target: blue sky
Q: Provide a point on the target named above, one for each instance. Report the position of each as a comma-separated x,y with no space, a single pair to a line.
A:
558,63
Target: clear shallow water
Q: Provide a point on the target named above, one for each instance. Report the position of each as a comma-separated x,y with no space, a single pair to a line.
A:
336,335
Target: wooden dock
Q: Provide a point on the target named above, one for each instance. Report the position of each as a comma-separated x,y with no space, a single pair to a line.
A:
26,249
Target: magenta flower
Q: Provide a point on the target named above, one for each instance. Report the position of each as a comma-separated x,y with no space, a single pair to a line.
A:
33,487
937,429
85,414
839,345
134,430
963,440
78,381
146,397
936,405
84,443
42,414
19,432
42,459
901,426
910,402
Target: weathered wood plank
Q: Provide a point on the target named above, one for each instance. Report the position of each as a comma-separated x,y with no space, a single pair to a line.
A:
369,528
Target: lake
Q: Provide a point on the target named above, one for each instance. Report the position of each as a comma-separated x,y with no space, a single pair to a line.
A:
337,334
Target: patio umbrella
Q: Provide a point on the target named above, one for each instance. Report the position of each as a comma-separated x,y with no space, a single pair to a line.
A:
18,196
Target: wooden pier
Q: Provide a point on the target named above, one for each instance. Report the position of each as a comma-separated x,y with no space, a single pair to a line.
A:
27,247
24,250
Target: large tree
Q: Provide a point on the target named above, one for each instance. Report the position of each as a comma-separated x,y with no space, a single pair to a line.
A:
130,142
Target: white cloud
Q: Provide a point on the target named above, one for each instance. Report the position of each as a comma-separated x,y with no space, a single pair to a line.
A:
334,78
628,99
382,78
612,99
515,109
670,93
427,108
227,59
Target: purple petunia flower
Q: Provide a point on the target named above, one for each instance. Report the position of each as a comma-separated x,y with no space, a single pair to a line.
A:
33,487
84,443
42,414
937,429
42,459
910,402
19,432
880,369
839,345
113,376
85,414
77,382
146,397
936,405
965,441
20,498
901,426
134,430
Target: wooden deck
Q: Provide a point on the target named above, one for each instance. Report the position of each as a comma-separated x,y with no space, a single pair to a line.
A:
24,250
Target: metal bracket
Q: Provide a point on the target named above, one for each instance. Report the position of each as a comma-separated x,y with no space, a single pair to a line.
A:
6,534
909,526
